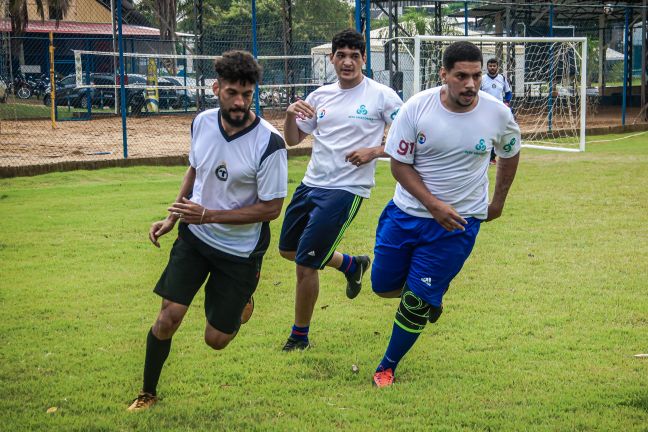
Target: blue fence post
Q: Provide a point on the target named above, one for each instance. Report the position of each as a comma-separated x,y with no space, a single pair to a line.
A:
368,36
465,18
626,48
122,89
257,106
358,15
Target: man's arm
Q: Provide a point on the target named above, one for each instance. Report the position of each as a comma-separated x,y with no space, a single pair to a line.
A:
158,229
444,214
365,155
506,169
193,213
292,134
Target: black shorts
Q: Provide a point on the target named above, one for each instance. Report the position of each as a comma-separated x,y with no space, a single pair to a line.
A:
315,222
231,283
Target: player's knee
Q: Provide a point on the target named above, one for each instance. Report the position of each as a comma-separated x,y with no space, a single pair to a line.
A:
166,325
217,341
413,312
289,255
435,313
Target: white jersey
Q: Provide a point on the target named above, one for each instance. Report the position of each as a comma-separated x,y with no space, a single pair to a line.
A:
450,151
346,120
496,87
233,172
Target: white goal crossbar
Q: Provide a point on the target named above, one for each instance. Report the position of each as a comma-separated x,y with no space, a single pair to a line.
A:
517,40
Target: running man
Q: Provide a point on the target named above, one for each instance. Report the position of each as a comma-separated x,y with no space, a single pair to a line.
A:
439,145
347,120
237,180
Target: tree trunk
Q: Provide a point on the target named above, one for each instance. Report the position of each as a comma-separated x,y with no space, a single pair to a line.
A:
166,11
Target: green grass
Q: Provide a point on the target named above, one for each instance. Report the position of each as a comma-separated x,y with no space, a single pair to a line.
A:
538,333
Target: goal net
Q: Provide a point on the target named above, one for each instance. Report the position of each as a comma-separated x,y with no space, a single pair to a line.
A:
160,82
547,77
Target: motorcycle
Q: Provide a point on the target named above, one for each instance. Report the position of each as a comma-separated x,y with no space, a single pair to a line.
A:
20,87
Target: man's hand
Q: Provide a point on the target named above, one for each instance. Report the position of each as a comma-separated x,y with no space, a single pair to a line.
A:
158,229
447,216
362,156
301,110
189,212
494,211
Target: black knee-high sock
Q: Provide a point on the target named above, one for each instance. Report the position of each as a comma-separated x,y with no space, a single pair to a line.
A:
157,352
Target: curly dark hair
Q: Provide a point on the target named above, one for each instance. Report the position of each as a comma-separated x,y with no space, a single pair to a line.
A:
461,51
348,38
238,66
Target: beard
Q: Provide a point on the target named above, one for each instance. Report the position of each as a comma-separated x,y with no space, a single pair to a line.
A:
236,122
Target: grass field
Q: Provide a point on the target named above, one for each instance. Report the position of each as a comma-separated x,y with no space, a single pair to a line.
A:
539,330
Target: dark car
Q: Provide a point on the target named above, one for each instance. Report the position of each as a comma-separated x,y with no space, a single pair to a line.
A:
185,98
68,94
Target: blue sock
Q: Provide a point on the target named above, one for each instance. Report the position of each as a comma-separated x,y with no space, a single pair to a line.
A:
401,341
348,264
299,333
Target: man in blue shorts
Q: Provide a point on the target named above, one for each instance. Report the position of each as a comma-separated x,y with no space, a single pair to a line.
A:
347,120
440,145
237,181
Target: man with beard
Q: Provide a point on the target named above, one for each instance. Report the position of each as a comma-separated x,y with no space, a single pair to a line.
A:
347,120
237,180
439,145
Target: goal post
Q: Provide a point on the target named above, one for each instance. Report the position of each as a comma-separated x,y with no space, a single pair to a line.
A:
548,76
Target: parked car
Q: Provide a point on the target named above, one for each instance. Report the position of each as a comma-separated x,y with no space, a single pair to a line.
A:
210,100
68,94
184,97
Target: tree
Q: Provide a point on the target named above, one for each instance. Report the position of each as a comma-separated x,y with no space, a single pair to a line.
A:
19,14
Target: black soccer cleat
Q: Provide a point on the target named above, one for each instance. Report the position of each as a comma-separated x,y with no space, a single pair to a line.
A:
293,344
354,280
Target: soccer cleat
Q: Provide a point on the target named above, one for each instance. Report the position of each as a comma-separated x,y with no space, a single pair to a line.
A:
493,162
383,378
143,401
293,344
354,280
247,311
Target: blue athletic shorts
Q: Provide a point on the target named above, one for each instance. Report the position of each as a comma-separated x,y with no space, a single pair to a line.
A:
315,222
420,252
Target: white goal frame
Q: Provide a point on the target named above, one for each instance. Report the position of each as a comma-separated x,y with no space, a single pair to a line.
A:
505,39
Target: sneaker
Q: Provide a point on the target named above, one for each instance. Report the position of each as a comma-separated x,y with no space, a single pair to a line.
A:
383,378
354,280
293,344
143,401
247,311
493,162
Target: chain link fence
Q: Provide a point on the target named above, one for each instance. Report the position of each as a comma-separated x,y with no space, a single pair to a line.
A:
168,66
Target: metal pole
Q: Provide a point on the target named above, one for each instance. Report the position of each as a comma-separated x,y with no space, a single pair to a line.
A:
550,102
358,7
257,105
625,66
583,96
115,48
368,36
52,81
465,18
643,58
122,89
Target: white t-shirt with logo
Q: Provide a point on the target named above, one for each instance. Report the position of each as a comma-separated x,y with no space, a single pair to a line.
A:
451,151
233,172
346,120
496,87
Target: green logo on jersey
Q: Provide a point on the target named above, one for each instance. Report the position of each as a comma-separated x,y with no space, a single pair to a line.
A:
393,115
362,110
481,146
510,145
